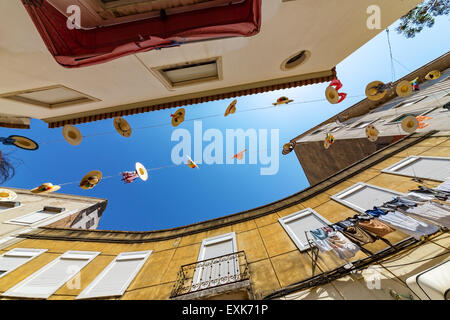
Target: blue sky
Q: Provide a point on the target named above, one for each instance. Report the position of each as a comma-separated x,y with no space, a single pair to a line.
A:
179,195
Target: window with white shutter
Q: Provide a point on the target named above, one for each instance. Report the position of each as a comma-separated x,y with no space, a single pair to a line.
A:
362,196
117,276
34,217
13,259
296,224
215,271
43,283
433,168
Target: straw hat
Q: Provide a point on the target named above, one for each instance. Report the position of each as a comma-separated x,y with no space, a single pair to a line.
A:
410,124
191,163
7,195
372,133
72,135
178,117
332,95
231,108
91,179
141,171
433,75
46,188
282,100
24,143
373,93
288,147
404,88
122,126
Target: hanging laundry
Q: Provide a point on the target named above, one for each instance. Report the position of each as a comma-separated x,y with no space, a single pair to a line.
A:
353,232
140,172
327,239
375,227
408,225
445,186
434,212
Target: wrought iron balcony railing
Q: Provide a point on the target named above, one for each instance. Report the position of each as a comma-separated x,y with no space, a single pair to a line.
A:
211,273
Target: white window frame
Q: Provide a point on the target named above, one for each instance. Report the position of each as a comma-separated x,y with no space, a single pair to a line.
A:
87,256
410,160
38,222
123,256
284,221
21,252
211,241
338,197
12,208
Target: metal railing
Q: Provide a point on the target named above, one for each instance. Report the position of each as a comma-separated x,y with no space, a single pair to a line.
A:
211,273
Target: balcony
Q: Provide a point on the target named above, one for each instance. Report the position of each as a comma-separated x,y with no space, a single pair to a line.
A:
223,277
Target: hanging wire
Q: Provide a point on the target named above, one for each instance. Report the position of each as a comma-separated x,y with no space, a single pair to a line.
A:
390,53
194,119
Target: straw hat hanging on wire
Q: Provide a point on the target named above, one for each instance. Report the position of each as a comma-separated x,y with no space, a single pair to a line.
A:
72,134
122,127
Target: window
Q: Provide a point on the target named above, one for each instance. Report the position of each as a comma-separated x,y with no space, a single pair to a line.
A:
189,73
409,102
335,129
398,119
117,276
316,132
212,248
433,168
5,205
17,257
298,223
50,97
362,196
43,283
363,124
38,216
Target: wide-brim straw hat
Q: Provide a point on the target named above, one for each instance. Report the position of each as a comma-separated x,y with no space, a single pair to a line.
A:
141,171
178,117
46,188
7,195
332,95
284,101
72,134
24,143
410,124
404,88
372,133
191,163
91,179
433,75
372,93
122,127
231,108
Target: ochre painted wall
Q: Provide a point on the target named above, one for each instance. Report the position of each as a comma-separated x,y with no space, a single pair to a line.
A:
274,260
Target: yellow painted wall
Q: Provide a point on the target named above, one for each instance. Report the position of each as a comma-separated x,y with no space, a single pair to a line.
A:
274,260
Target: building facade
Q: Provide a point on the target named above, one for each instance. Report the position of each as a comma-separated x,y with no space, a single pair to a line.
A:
176,75
348,127
256,254
29,211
